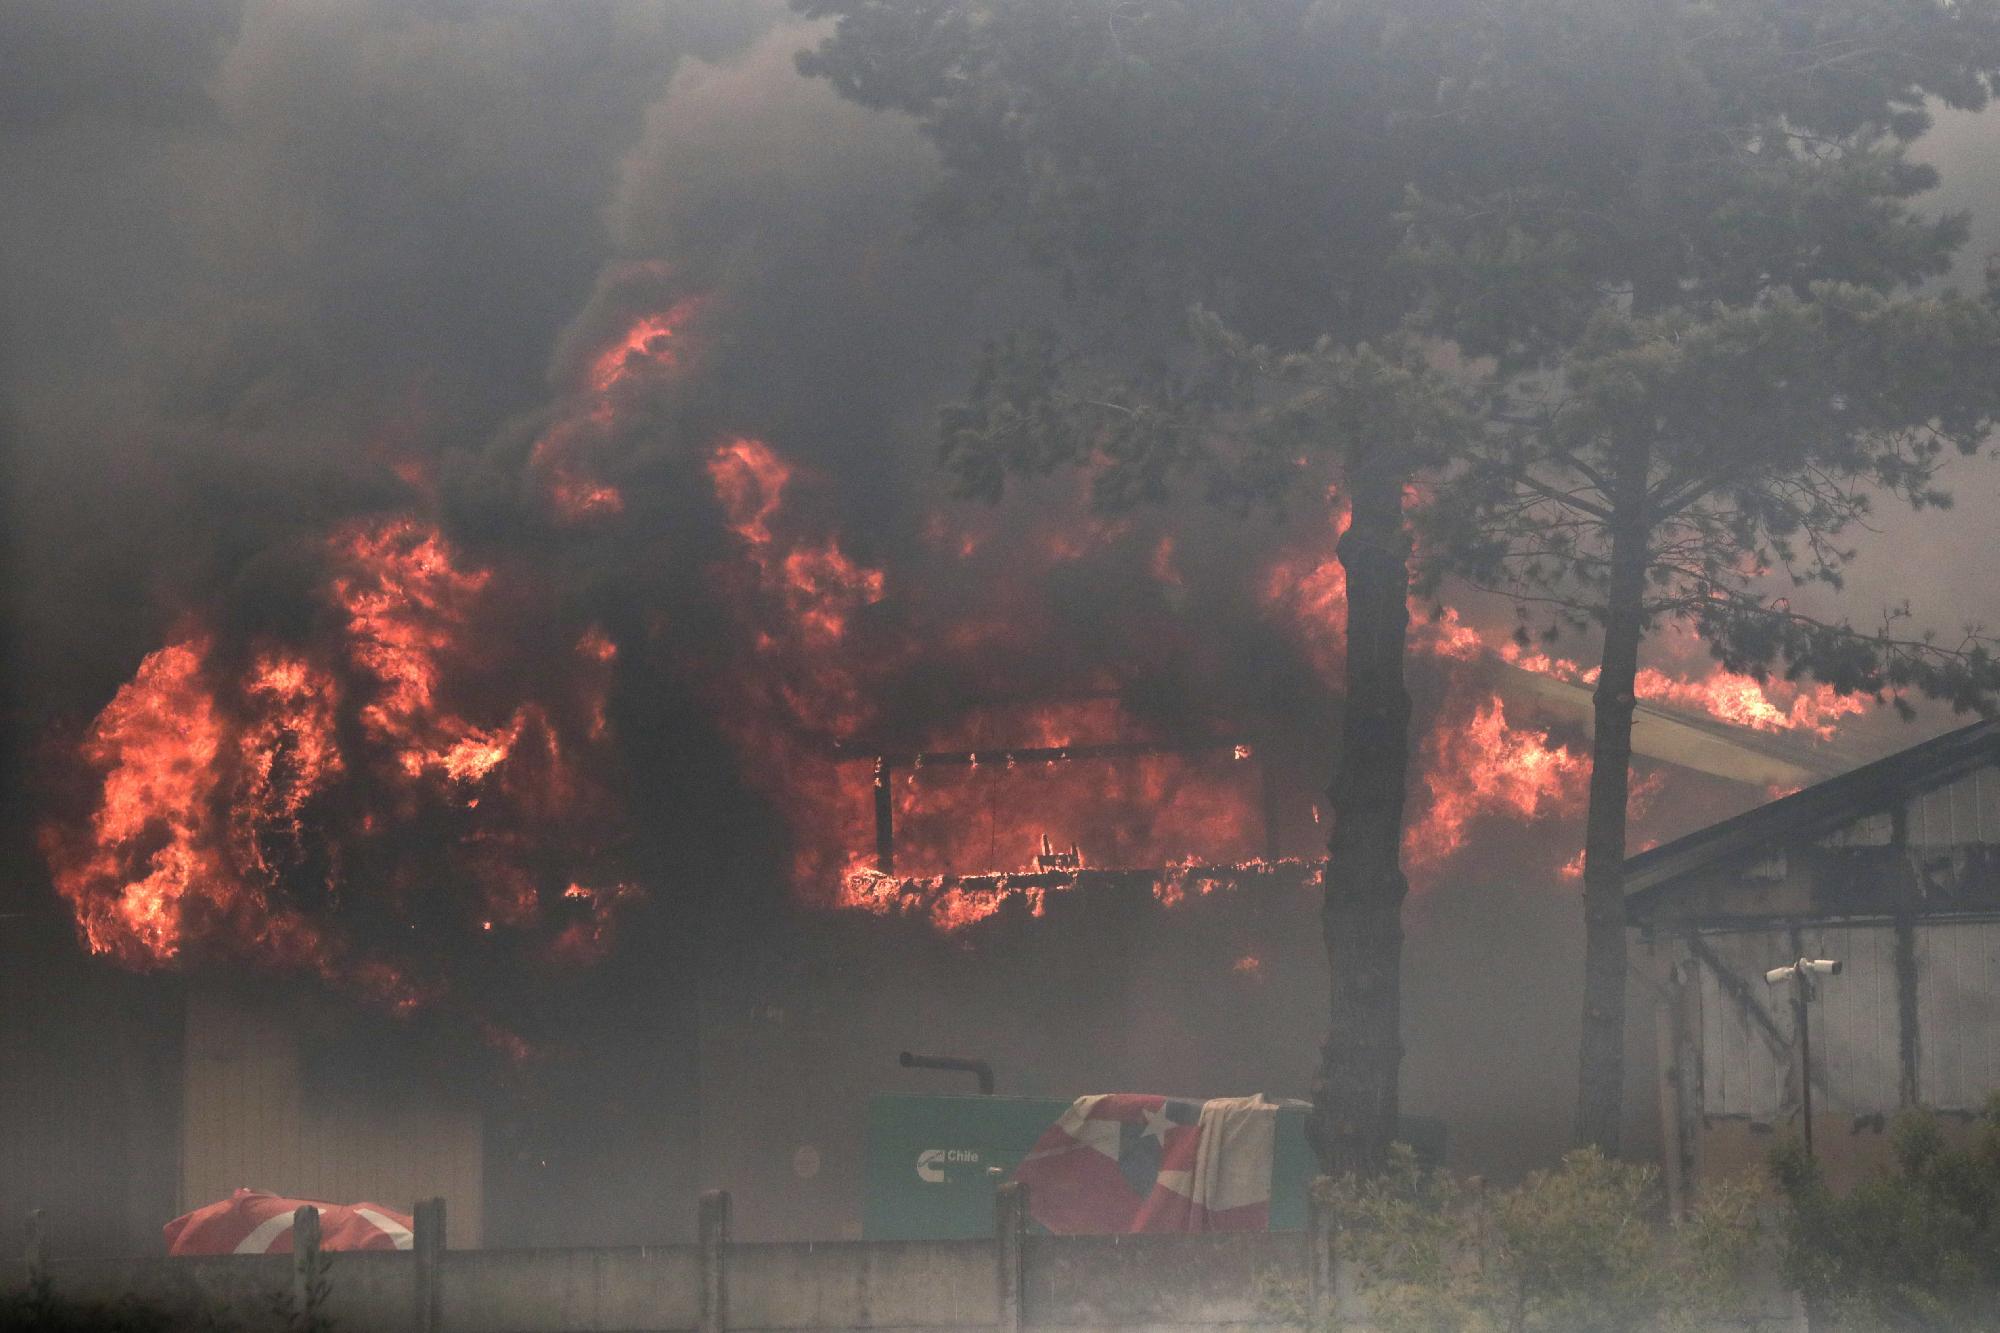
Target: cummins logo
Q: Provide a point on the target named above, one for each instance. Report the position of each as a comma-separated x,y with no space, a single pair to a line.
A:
931,1162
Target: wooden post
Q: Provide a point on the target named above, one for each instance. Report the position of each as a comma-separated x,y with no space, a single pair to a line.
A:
35,1255
1010,1231
712,1235
1688,1069
305,1264
1666,1015
427,1240
1322,1256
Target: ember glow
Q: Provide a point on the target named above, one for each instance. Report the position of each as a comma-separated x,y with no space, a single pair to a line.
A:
571,449
277,815
648,346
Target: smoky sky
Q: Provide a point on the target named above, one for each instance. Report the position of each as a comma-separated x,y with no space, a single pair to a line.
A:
252,250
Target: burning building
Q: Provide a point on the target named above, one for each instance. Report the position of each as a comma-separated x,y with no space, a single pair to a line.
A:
575,711
1086,860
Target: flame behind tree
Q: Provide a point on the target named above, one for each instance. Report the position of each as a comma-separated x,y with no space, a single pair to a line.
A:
1701,377
817,669
1159,166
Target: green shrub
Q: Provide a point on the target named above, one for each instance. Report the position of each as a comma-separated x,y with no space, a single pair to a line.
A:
1914,1248
1583,1248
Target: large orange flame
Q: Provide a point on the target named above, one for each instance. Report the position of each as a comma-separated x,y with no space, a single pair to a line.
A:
212,831
966,829
1486,767
1766,705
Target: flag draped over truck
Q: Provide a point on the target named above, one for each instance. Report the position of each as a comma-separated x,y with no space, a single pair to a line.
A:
253,1222
1128,1162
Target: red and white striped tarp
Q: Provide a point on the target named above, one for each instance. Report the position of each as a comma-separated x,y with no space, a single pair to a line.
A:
253,1222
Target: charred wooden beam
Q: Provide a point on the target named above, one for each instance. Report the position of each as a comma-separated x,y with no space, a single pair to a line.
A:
1267,794
1003,881
885,818
1042,754
1704,744
1909,1043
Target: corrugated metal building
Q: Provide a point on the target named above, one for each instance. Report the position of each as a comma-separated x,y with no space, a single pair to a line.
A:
1894,869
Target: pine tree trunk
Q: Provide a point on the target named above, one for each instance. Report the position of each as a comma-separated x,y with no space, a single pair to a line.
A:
1601,1086
1355,1094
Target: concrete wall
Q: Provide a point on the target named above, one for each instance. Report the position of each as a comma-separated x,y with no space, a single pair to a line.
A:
1160,1282
1172,1284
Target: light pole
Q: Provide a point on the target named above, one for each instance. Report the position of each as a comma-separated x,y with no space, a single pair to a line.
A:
1800,973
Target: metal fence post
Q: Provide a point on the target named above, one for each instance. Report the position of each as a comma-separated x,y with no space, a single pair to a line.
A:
1010,1231
305,1264
712,1235
426,1252
1322,1255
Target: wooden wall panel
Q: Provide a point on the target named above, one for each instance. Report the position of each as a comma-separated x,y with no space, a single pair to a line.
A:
1958,1013
1857,1068
1742,1070
1963,812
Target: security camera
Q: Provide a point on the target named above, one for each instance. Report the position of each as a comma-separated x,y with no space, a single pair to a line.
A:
1778,974
1826,967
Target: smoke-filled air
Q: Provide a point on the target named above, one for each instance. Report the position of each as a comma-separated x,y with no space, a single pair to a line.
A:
583,577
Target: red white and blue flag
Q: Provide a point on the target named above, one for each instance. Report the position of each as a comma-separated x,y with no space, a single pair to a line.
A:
1127,1162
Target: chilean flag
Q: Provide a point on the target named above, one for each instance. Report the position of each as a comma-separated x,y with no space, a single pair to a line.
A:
1125,1162
253,1222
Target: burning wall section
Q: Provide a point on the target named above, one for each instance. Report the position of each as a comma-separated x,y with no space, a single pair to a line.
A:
335,807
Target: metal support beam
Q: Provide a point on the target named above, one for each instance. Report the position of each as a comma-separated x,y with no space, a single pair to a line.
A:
1010,1234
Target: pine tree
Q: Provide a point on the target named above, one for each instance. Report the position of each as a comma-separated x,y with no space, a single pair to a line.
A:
1680,259
1250,158
1667,226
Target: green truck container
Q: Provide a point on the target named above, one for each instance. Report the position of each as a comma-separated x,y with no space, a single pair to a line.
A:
933,1162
